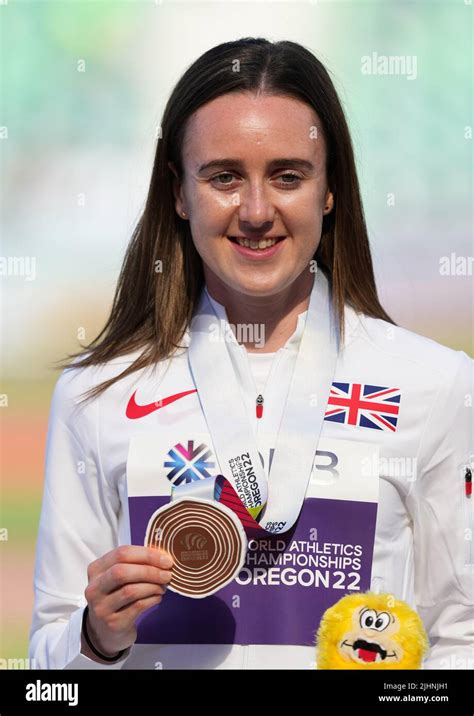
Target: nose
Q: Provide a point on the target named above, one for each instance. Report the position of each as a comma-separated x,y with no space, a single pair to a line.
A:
255,207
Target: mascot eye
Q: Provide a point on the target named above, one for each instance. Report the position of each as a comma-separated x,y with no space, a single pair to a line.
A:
382,621
368,618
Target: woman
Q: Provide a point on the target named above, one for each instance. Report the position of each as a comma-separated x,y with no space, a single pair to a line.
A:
253,217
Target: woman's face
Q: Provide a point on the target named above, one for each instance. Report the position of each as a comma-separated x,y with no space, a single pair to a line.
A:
267,179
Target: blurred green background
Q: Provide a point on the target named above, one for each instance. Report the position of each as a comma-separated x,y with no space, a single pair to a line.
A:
83,85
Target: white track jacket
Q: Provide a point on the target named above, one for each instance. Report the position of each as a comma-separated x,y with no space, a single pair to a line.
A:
422,552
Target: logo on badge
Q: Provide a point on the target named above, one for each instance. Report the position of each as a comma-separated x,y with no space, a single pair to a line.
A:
189,463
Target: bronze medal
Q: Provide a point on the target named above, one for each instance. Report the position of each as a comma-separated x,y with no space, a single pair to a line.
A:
205,539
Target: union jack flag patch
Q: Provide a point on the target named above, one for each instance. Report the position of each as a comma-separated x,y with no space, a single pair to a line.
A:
368,406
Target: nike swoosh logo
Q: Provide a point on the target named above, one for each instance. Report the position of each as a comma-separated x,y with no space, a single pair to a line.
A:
135,411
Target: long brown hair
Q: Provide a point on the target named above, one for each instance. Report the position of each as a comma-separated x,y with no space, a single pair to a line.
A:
152,309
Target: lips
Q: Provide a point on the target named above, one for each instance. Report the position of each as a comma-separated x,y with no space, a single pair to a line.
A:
367,650
255,238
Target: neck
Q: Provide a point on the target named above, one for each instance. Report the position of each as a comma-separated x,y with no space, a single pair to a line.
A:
275,317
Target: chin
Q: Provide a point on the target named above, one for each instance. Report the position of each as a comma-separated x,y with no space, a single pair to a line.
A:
258,284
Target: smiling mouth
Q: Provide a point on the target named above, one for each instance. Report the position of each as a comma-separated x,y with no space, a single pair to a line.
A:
263,242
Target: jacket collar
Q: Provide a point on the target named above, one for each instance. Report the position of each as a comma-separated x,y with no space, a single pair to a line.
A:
352,321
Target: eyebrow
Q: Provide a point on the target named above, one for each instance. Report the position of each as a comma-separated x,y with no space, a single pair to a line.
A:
227,163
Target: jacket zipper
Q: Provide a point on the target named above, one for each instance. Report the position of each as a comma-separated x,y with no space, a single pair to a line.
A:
467,499
262,420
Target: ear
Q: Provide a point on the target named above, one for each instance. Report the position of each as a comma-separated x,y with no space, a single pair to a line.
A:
329,202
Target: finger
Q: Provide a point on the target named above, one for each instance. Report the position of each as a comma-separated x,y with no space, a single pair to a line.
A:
130,554
124,618
122,598
121,574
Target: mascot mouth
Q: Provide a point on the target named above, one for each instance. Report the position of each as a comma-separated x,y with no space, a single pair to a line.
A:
369,651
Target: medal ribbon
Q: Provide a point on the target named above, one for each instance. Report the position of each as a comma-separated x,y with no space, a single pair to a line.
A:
276,499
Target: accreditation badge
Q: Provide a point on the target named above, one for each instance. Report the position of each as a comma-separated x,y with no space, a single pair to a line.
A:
326,554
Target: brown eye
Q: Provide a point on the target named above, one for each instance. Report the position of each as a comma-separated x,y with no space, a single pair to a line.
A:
294,179
224,174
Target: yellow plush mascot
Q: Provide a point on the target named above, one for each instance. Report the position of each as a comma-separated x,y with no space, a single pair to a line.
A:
369,630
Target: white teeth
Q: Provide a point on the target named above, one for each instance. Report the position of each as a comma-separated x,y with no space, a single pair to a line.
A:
253,244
